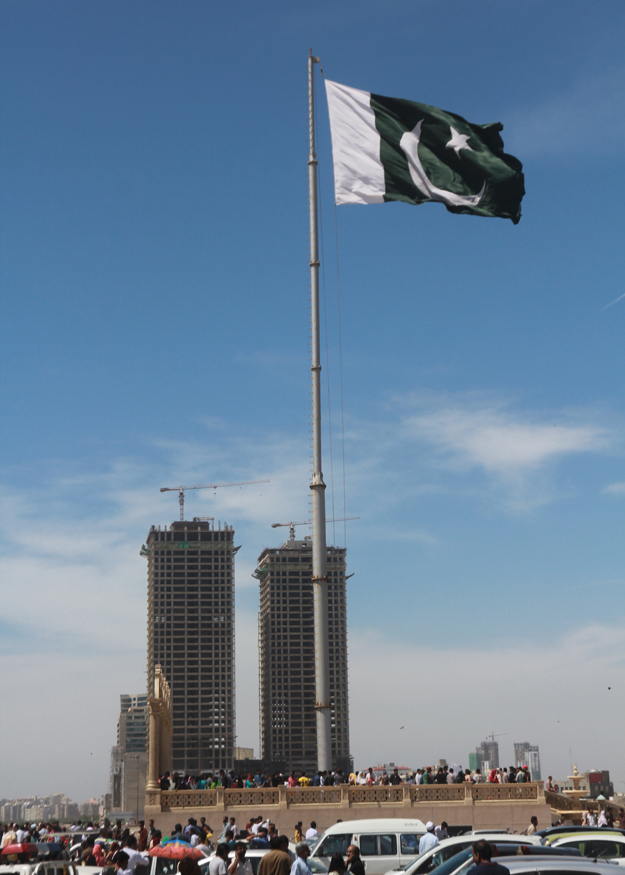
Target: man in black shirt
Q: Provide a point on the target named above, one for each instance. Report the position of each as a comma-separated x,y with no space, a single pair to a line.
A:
354,863
482,854
395,779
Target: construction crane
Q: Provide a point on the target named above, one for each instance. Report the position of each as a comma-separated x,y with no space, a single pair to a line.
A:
181,490
292,525
493,736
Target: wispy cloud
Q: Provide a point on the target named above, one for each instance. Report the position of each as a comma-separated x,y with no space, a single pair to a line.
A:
463,680
70,544
615,488
569,123
473,432
612,303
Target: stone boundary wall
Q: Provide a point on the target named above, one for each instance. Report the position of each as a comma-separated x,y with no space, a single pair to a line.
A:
484,806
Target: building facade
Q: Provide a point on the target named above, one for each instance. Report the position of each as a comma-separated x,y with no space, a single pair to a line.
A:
526,754
191,636
129,757
486,756
132,723
288,722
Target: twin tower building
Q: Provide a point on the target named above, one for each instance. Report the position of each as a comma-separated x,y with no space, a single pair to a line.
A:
191,635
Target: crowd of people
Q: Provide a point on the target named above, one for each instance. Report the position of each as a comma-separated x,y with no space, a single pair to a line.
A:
425,775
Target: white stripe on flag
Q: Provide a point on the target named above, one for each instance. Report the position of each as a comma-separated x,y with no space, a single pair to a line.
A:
358,171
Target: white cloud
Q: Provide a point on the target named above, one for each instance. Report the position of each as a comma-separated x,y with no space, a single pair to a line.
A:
74,620
615,488
472,432
449,698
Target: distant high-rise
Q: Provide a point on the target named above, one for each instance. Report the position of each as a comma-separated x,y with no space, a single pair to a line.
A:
526,754
191,636
132,723
129,758
287,657
486,755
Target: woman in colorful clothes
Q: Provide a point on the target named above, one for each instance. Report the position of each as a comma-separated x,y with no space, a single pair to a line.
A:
492,778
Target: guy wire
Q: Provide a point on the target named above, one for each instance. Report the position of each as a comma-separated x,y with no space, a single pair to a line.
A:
338,292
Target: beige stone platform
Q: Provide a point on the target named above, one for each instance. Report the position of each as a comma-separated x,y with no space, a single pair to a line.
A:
484,806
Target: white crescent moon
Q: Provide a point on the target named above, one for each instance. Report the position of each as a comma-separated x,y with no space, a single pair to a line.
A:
410,145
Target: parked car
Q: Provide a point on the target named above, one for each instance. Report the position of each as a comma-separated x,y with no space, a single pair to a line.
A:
463,860
384,843
548,865
448,848
254,855
606,846
35,858
557,832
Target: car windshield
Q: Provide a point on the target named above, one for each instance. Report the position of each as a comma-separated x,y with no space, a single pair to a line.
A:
456,862
166,866
334,844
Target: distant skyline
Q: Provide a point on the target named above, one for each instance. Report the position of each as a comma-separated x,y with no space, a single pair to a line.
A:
154,252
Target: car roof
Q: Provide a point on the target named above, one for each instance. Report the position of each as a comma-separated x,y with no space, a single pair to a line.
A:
489,837
576,827
595,834
366,825
561,863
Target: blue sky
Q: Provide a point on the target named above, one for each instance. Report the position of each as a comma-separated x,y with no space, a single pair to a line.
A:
154,332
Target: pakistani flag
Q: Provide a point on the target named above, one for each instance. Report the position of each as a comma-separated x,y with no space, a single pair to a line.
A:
385,149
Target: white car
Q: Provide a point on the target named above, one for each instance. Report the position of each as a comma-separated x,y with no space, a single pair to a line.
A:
592,844
537,865
448,848
384,843
254,855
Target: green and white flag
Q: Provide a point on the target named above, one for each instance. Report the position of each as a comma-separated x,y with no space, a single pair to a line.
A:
386,149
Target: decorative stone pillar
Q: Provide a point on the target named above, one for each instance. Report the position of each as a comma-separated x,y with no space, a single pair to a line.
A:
153,747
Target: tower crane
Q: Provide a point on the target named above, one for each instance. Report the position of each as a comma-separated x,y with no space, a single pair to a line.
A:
493,736
292,525
181,490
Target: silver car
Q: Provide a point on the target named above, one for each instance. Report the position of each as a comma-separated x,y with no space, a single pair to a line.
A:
448,848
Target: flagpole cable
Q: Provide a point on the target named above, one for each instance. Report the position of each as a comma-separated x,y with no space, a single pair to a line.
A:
325,320
338,293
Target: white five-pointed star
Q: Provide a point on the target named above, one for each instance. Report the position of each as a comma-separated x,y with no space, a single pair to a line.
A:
458,141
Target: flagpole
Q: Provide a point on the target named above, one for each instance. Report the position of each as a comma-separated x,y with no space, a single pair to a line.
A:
317,486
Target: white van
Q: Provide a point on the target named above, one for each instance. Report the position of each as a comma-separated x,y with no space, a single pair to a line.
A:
385,843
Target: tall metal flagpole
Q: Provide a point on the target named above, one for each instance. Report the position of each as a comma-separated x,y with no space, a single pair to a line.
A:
317,486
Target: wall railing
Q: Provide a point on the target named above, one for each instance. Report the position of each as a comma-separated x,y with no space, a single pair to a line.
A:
407,795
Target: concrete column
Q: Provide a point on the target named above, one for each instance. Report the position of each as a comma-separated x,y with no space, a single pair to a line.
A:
153,749
344,795
283,799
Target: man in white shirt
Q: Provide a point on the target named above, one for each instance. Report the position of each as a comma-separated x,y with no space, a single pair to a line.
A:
217,865
301,865
312,833
428,840
240,866
134,857
441,831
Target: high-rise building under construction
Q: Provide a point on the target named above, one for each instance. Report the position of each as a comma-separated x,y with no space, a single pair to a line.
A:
191,636
288,725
